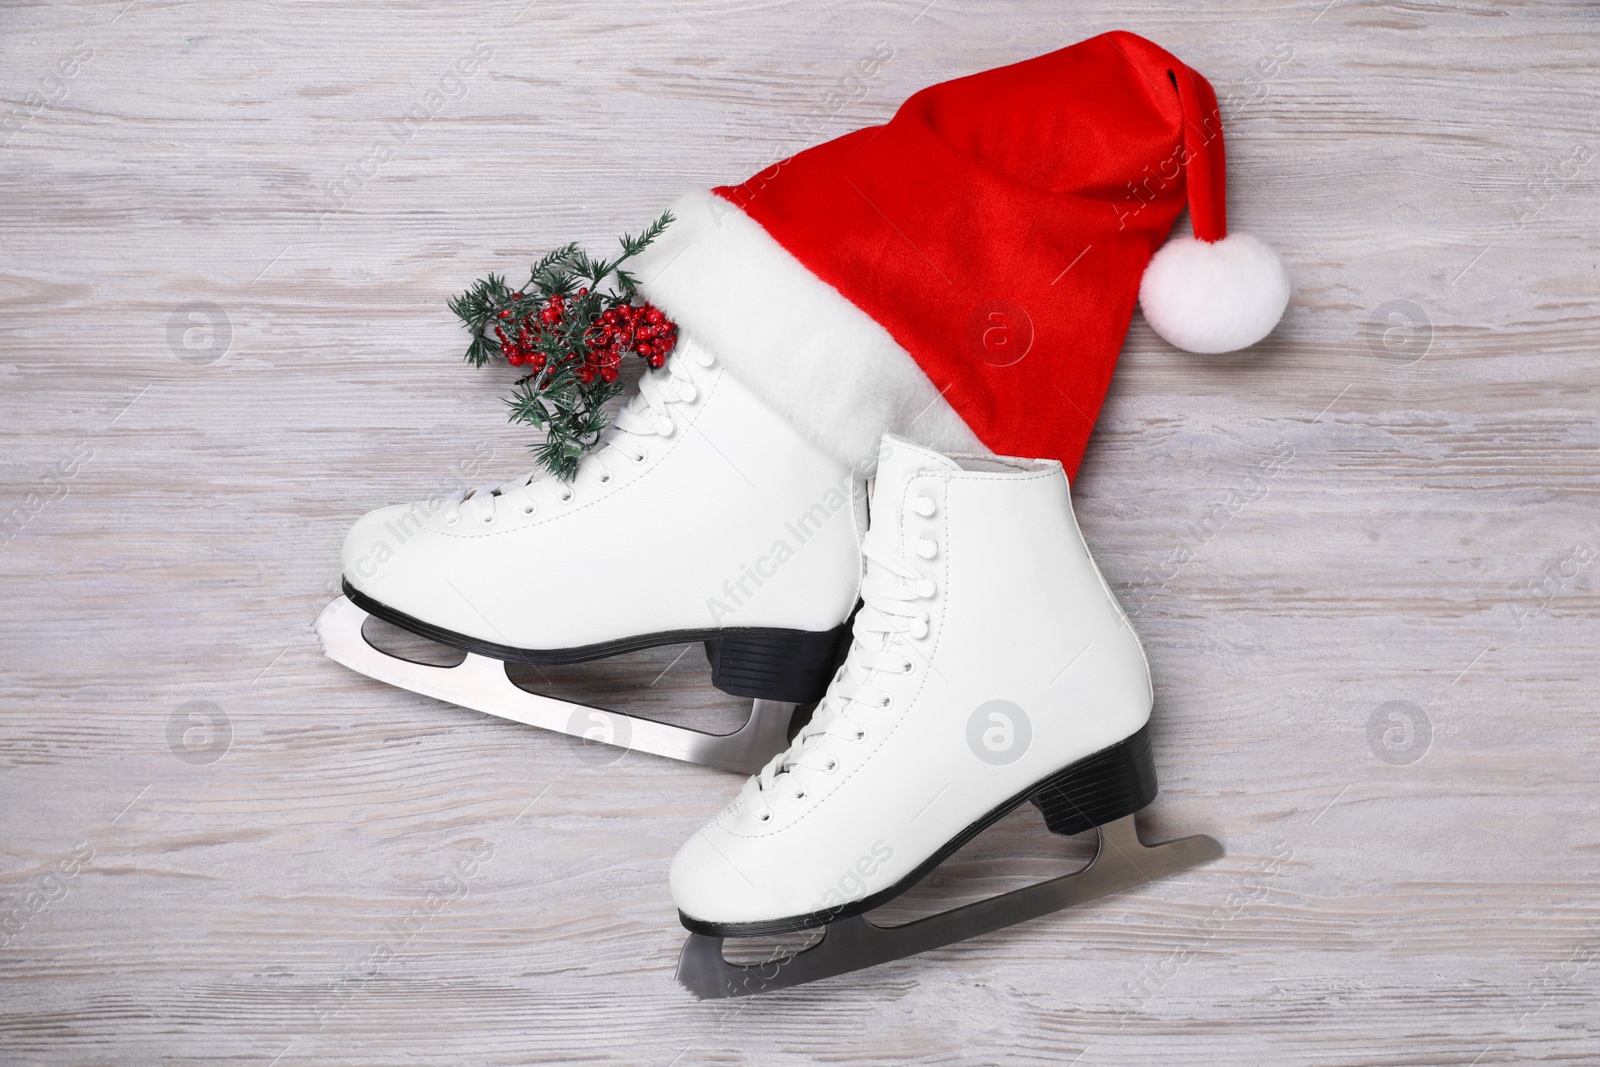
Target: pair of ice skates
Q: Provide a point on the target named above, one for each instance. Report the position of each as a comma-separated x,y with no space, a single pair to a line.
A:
986,665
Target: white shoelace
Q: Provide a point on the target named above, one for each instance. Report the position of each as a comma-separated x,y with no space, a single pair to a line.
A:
888,613
646,415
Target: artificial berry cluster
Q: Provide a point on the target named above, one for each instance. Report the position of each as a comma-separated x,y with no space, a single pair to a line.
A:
615,332
644,331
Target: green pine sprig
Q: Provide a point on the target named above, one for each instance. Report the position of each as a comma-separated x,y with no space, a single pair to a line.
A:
555,396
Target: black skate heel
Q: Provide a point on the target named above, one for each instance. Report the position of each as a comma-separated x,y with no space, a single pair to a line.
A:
789,665
1110,784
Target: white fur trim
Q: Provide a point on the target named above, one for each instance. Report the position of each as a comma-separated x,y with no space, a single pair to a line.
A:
1214,297
791,338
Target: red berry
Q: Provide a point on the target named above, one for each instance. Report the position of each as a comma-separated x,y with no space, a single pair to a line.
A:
516,296
645,350
505,314
583,292
653,315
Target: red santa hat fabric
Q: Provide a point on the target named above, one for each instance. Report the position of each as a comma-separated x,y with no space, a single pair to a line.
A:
965,274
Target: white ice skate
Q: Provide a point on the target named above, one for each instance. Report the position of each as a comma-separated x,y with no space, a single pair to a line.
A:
703,516
990,666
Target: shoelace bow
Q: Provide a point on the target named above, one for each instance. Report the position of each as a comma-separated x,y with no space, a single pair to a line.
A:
888,612
646,415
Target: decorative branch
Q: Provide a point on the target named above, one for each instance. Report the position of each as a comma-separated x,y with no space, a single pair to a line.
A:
570,335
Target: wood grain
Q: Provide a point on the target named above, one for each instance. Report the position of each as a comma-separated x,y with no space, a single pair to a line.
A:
369,877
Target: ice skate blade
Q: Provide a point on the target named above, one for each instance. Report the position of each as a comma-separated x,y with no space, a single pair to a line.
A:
1121,861
481,683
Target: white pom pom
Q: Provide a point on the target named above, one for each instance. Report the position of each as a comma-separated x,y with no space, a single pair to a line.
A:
1214,296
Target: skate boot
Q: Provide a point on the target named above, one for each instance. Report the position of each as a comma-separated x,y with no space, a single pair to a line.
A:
702,516
990,666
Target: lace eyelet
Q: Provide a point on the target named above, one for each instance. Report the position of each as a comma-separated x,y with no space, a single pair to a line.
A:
800,795
886,703
565,498
451,520
832,766
528,509
604,479
926,588
487,519
765,818
924,506
861,735
927,548
908,668
641,458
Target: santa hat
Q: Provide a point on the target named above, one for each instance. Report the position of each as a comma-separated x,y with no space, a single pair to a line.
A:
965,275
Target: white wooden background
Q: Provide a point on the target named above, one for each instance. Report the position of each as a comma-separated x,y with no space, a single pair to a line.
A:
290,890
